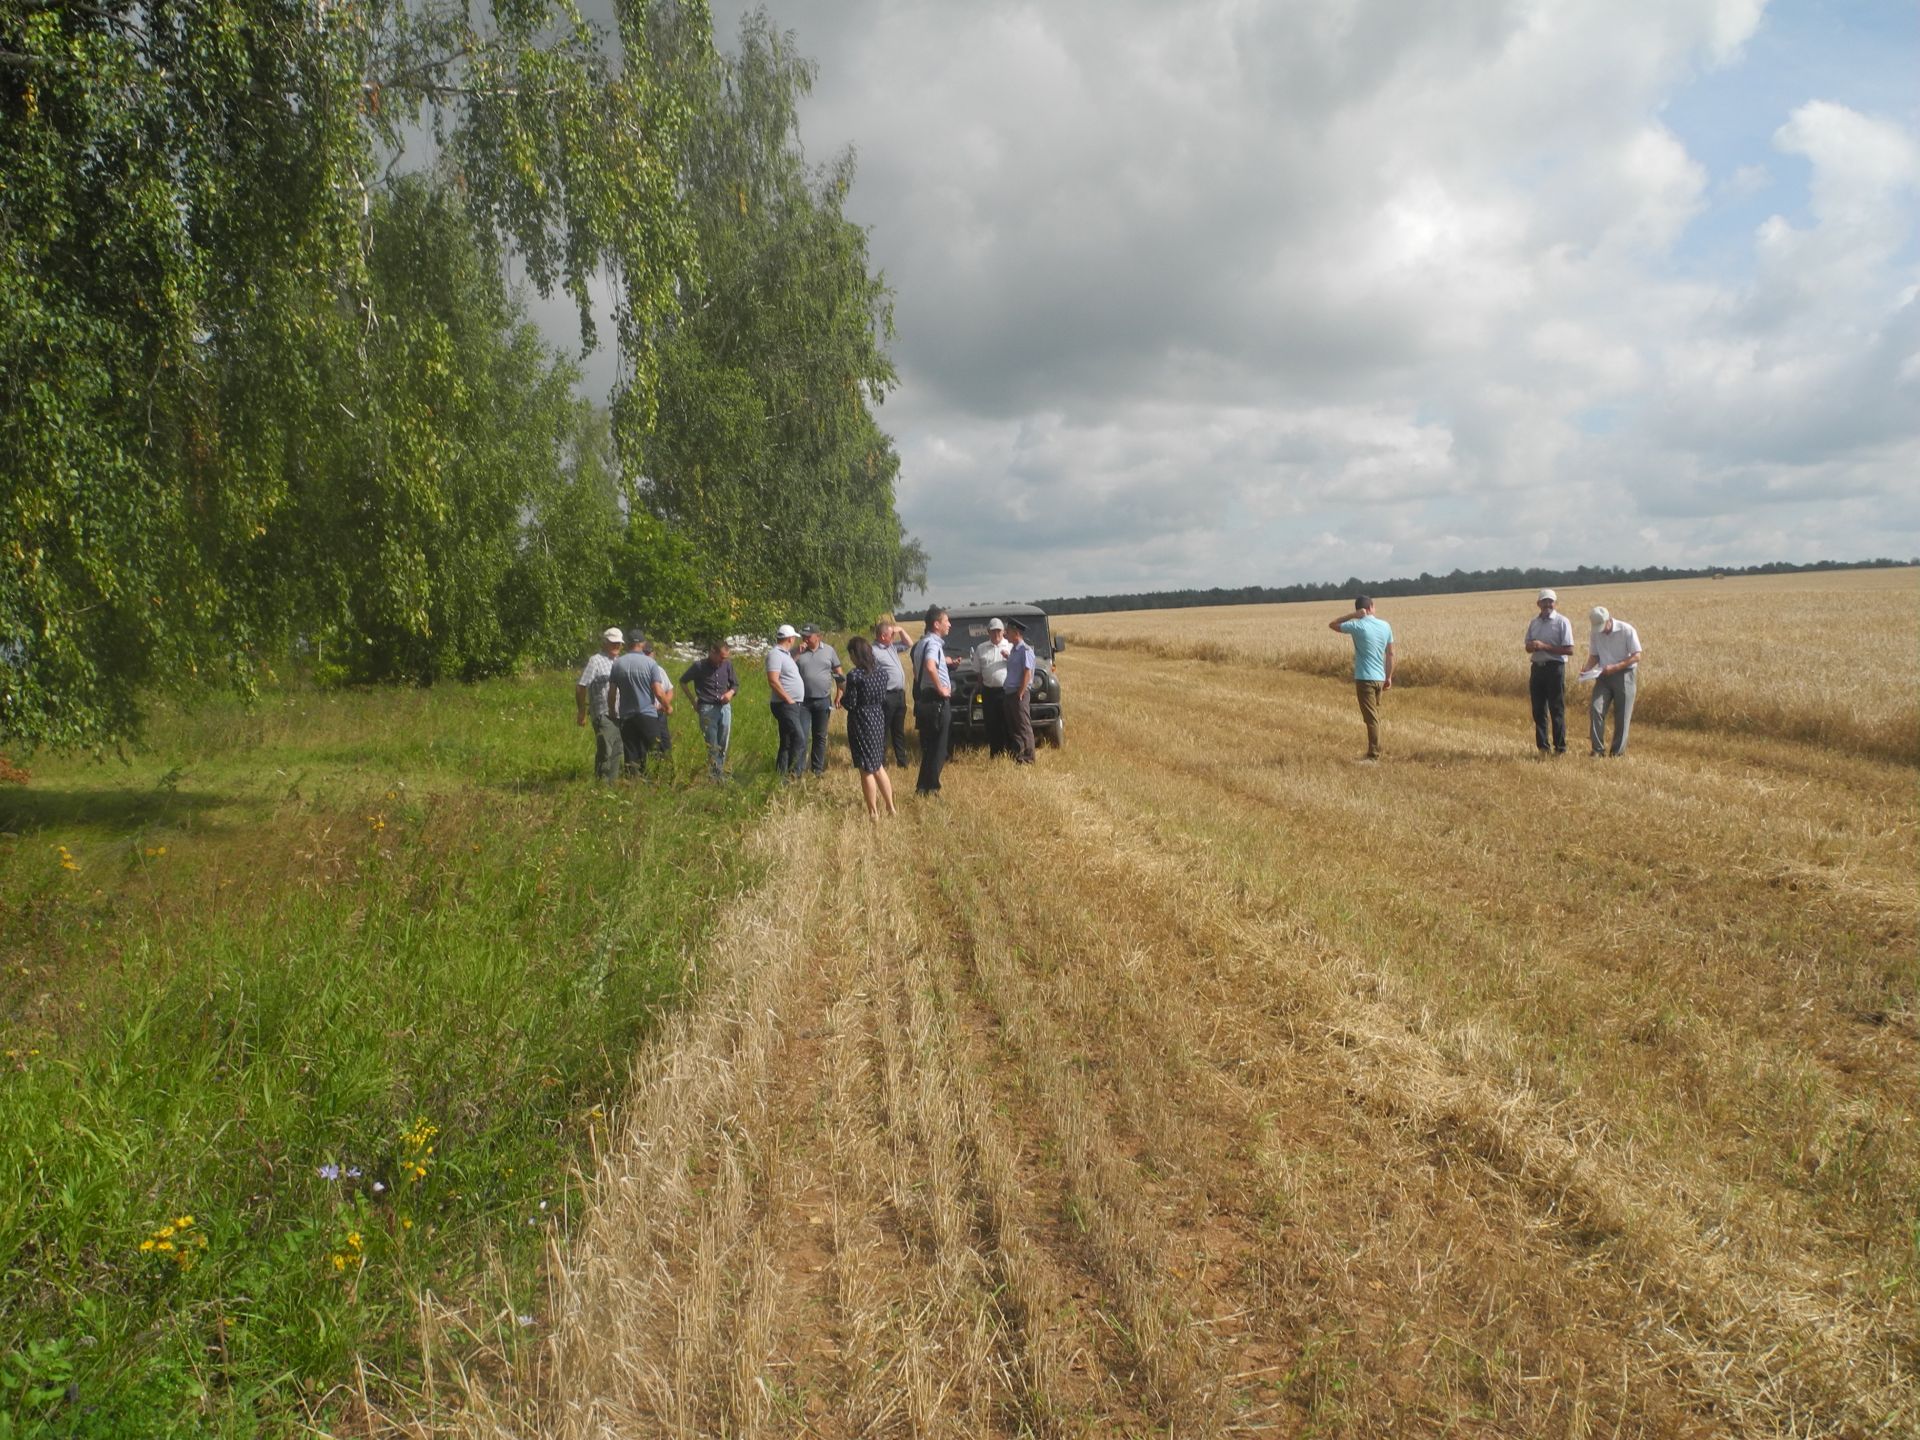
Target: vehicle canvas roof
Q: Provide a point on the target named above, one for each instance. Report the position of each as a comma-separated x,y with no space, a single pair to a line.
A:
1008,608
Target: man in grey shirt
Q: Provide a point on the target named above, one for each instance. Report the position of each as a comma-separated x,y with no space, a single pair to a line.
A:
821,677
789,701
1548,644
640,698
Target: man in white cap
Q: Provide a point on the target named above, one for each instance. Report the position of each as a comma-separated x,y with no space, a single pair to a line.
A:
1613,660
990,665
590,698
1549,643
788,696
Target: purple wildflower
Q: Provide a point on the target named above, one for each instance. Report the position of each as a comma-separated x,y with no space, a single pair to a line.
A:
353,1172
328,1172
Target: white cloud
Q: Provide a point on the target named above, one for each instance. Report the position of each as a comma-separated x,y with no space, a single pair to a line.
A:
1224,292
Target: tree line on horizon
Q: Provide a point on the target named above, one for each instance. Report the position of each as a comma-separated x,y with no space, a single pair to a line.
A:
267,397
1454,582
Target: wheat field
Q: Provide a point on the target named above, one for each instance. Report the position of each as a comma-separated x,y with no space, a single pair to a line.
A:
1831,657
1201,1082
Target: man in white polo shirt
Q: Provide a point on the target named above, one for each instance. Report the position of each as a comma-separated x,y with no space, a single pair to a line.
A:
1613,660
590,699
990,665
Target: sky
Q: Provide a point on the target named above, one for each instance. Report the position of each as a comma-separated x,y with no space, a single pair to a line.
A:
1226,293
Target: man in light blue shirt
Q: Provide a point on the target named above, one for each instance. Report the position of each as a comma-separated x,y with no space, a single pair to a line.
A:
932,698
1372,663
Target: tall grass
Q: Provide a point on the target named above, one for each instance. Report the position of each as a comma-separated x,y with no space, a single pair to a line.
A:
1832,658
310,1009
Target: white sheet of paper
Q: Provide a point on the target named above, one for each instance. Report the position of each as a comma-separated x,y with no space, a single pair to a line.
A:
1592,672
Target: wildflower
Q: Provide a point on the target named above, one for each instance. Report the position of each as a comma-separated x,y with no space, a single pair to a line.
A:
378,822
378,1188
406,1223
154,852
339,1262
328,1172
353,1239
526,1321
353,1172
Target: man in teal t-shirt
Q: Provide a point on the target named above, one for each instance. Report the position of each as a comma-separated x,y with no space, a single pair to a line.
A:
1372,663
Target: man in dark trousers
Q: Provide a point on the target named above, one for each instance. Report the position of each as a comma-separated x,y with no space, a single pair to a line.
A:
888,659
1016,697
821,677
1549,643
932,699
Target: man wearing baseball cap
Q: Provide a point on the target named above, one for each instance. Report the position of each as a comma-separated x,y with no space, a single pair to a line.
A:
1613,660
788,696
990,665
1549,642
590,698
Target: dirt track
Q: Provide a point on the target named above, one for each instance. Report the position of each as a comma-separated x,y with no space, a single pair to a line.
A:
1122,1097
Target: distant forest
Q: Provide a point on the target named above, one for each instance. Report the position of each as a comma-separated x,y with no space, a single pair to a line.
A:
1454,582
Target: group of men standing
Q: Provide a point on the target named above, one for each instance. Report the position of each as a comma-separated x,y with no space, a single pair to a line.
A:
1005,663
1613,659
626,696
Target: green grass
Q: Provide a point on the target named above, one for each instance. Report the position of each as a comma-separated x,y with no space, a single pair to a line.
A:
351,979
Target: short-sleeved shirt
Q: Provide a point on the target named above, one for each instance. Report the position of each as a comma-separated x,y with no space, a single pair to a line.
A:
990,660
780,666
930,647
1370,635
634,676
1611,647
816,670
711,683
889,665
1554,629
1019,665
598,670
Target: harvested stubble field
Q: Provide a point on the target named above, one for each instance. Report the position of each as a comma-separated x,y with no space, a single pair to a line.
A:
1201,1082
1831,657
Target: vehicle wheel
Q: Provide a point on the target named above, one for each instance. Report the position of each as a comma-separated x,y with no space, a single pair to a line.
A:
1056,734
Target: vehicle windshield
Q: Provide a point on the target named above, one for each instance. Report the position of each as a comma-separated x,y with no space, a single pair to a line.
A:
971,630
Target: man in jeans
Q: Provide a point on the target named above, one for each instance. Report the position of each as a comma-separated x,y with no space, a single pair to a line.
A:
1613,660
1549,643
788,699
932,699
821,677
714,685
1372,663
888,659
590,697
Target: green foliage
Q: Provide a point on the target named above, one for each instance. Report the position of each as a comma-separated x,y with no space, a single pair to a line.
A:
767,454
259,398
275,947
201,325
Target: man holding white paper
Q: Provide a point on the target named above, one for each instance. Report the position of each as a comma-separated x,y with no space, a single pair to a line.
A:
1549,642
1613,660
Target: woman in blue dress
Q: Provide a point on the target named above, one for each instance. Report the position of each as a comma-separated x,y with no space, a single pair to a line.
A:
865,698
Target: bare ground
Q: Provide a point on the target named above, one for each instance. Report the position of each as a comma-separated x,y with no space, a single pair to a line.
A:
1230,1089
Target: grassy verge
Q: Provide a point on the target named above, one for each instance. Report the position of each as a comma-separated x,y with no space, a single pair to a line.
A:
308,1010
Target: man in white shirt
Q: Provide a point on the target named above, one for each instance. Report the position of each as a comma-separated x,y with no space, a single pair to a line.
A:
1613,655
888,659
590,697
1549,643
990,665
